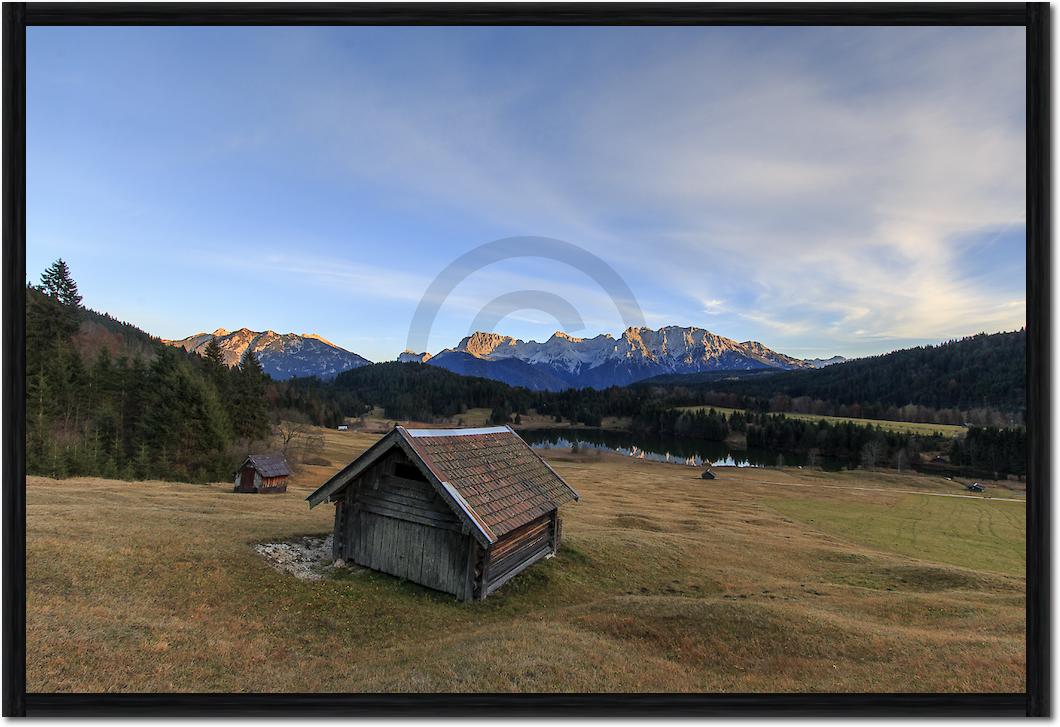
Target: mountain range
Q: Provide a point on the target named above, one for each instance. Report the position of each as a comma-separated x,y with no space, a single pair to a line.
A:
564,362
561,362
282,355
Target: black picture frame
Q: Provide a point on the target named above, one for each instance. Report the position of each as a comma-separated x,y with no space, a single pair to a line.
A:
1033,16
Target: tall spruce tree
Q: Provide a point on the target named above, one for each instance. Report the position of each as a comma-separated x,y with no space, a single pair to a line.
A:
212,354
250,411
57,282
217,370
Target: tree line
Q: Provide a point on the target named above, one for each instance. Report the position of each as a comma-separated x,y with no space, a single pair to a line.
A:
992,450
870,446
980,379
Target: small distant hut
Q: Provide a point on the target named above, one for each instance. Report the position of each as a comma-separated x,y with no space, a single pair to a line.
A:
262,473
458,510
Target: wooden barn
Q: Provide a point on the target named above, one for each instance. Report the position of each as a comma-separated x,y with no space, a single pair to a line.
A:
262,473
459,510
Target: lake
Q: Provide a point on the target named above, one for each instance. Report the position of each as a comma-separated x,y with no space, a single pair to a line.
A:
677,450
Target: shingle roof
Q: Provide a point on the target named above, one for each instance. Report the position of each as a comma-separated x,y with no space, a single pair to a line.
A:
490,475
269,465
503,482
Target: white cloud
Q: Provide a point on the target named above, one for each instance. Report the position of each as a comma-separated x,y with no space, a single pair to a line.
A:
812,185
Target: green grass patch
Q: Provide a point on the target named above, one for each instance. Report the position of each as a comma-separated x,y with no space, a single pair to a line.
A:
909,578
947,430
984,535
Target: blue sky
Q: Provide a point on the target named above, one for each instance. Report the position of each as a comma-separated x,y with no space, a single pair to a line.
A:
822,190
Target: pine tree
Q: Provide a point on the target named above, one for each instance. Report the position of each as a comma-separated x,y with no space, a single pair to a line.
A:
57,282
250,413
214,357
206,429
217,371
163,416
134,391
104,409
500,414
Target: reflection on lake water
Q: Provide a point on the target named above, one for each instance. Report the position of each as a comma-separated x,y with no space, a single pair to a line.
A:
676,450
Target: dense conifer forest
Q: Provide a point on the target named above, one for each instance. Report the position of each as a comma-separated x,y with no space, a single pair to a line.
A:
155,414
989,449
105,398
982,377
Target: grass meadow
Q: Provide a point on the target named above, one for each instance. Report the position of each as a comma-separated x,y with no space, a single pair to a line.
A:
948,430
760,581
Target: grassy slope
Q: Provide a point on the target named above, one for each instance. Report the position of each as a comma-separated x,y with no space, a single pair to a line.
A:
949,430
955,531
758,581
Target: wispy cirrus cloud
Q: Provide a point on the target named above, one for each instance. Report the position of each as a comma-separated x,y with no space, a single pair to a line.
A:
831,190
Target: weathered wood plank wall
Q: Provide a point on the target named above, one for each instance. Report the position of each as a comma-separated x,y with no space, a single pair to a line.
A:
400,526
433,557
517,551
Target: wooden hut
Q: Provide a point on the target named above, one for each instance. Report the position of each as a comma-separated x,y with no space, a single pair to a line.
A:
262,473
459,510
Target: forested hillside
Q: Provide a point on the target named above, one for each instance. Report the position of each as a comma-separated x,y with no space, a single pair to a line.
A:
420,392
983,373
104,398
426,393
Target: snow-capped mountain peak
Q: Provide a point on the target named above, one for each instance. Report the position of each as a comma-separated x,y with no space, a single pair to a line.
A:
639,353
282,356
481,345
408,356
820,363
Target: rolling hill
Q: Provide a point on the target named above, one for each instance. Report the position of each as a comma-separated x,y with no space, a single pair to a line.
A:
983,371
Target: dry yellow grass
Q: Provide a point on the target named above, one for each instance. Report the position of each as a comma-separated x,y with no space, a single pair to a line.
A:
758,581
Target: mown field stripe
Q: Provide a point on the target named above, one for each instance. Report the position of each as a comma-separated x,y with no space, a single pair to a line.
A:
885,490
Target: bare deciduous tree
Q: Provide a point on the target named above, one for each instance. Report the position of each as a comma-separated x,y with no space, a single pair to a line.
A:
871,453
900,459
312,444
292,426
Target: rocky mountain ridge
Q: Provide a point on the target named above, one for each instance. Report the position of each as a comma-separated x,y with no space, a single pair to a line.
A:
282,355
561,362
565,361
